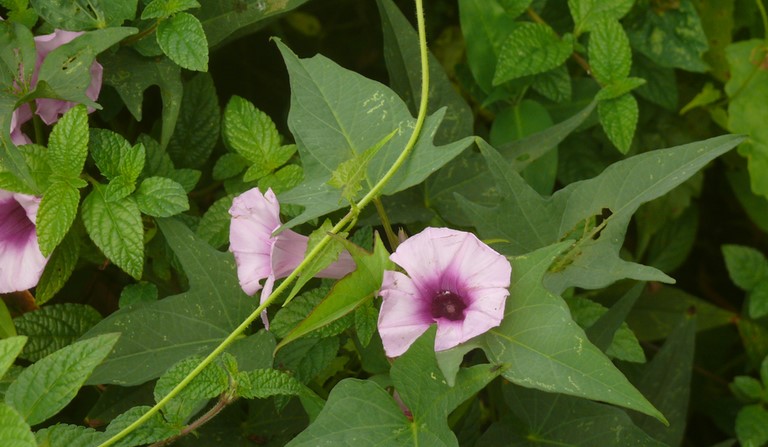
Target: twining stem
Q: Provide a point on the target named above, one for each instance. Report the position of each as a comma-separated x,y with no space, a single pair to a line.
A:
351,215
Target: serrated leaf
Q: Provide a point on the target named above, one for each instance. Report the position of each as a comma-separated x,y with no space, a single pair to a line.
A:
138,294
154,430
747,267
214,226
308,357
59,268
46,387
366,318
114,155
618,88
187,178
347,294
554,84
9,349
671,37
54,327
130,74
197,128
211,382
68,143
747,388
531,48
228,166
349,175
618,117
752,425
284,179
485,27
65,435
116,228
55,215
363,112
161,197
251,133
609,55
183,40
14,431
66,71
263,383
546,350
193,321
758,301
586,13
526,221
164,8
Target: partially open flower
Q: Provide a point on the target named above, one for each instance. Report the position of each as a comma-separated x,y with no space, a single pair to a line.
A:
261,256
21,262
453,280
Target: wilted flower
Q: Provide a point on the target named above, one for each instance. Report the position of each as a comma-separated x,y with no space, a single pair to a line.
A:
261,256
21,262
453,280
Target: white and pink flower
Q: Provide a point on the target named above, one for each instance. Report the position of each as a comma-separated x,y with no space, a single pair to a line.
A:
261,256
453,280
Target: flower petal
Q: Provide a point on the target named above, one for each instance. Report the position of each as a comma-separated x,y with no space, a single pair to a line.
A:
404,315
21,262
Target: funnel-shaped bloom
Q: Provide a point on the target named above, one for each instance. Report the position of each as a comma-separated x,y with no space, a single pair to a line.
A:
453,280
21,263
261,256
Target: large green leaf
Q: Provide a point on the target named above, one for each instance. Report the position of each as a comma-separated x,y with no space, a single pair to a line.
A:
131,74
337,114
198,123
45,388
81,15
14,431
485,25
555,419
401,49
526,221
545,349
362,413
156,336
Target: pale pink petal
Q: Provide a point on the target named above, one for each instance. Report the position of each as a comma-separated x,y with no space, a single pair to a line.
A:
339,269
269,284
288,252
21,262
450,334
403,316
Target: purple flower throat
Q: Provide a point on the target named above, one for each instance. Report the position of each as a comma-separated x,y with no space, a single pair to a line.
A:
448,305
16,227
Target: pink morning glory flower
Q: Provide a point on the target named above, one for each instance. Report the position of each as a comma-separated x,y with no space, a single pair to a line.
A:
261,256
453,279
21,262
50,110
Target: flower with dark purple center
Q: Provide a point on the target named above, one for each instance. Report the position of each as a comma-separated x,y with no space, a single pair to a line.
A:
261,256
453,280
21,262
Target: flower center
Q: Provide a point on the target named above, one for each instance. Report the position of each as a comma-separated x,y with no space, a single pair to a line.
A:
446,304
15,226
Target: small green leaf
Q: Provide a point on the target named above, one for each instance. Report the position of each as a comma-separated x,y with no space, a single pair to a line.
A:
211,382
350,174
609,55
529,49
251,133
758,300
114,155
485,27
747,388
183,40
14,431
54,327
618,117
228,166
284,179
706,96
366,317
68,143
154,430
752,426
58,269
46,387
618,88
161,197
587,13
9,349
55,215
746,266
164,8
263,383
116,228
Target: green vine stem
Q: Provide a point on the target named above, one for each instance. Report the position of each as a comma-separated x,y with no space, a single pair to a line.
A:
351,215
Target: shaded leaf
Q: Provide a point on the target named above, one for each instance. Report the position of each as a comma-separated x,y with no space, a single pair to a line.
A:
54,327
